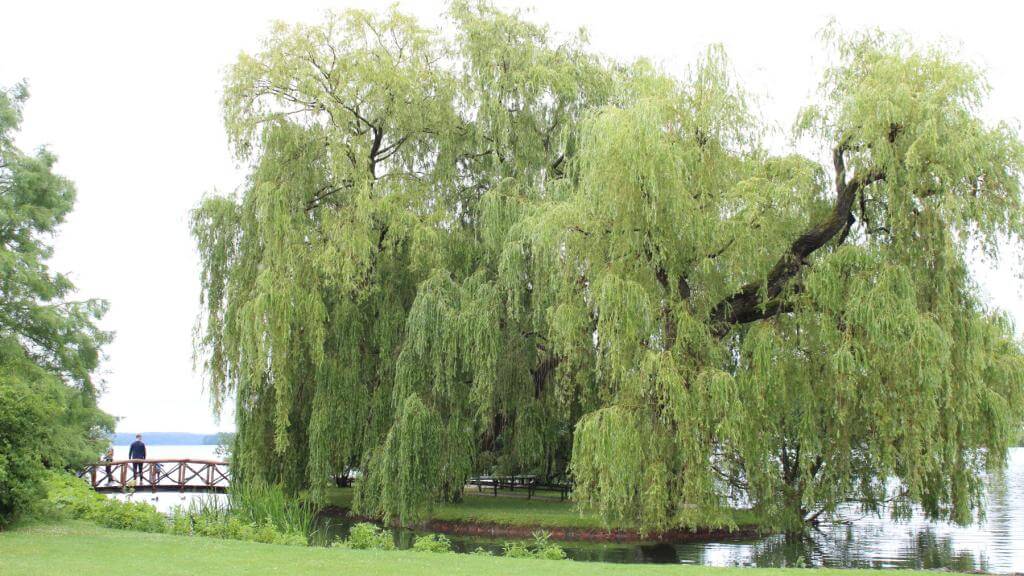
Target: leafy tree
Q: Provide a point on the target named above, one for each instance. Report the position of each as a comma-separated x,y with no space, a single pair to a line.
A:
49,345
496,250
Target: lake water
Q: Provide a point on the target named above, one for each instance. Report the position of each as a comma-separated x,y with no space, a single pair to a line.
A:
995,545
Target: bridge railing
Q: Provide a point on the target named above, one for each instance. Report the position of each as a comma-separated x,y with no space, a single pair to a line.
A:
158,475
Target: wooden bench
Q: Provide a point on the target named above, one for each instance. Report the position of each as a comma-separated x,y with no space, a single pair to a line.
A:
562,486
528,482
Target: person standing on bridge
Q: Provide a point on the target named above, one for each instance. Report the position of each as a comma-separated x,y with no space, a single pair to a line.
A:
137,451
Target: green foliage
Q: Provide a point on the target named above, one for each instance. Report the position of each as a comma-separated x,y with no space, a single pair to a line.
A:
432,543
211,519
258,504
407,464
516,550
23,426
540,548
367,536
71,497
138,516
49,345
492,250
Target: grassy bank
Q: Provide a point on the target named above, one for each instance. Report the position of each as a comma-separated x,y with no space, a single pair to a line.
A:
509,510
84,549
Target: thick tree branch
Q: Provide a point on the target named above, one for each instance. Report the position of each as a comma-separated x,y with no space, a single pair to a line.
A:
378,137
760,299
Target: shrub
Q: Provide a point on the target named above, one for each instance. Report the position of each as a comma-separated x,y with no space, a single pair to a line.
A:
128,516
23,435
517,550
70,496
432,543
180,524
366,536
542,547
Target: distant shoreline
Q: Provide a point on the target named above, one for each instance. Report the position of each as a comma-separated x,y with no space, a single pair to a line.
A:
172,438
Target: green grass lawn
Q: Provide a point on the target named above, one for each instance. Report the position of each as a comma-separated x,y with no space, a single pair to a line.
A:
513,510
83,549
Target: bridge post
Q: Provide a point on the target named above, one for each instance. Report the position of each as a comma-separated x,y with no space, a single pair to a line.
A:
92,476
181,476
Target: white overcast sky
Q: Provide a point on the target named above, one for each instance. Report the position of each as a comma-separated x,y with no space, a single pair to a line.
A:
127,94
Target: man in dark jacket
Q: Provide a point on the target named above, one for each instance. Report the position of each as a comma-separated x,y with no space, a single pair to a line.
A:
137,451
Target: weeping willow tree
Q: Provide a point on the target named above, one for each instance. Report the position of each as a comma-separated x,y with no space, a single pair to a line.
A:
493,250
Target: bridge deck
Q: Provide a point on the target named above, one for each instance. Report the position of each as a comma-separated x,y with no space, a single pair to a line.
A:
180,475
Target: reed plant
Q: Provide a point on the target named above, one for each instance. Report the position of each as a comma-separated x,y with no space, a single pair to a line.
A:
261,503
213,517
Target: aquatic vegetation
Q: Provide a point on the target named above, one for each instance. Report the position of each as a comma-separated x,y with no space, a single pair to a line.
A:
260,503
367,536
252,513
220,522
432,543
541,547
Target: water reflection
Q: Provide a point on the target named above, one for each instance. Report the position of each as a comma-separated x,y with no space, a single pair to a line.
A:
996,544
166,502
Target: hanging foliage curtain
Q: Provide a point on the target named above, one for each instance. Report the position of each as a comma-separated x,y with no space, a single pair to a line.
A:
497,251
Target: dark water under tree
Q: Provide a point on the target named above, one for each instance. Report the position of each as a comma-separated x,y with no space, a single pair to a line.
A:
995,545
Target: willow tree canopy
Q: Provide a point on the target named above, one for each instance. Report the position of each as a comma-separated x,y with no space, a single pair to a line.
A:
495,251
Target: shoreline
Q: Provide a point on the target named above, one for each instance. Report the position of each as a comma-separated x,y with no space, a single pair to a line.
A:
566,534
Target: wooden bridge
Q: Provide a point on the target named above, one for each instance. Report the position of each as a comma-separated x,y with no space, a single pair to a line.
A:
158,475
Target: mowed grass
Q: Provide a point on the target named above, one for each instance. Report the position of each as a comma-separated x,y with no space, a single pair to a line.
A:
506,509
84,549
